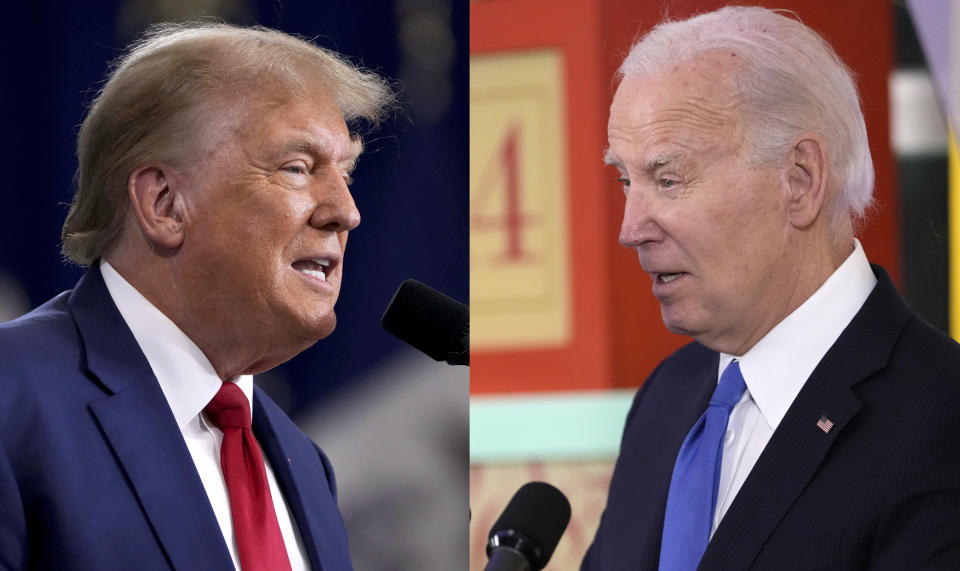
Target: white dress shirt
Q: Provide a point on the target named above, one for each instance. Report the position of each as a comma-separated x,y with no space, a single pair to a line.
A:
189,382
776,368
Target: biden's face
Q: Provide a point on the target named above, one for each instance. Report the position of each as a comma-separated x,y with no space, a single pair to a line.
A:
268,219
708,225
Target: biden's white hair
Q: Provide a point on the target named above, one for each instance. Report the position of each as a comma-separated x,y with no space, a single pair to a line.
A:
790,82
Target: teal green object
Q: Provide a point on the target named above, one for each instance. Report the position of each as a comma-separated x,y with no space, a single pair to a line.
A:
568,426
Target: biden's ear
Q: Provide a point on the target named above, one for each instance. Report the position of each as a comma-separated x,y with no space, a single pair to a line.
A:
155,198
807,176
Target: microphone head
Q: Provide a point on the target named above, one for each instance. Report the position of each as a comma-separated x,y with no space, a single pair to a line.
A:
532,523
431,321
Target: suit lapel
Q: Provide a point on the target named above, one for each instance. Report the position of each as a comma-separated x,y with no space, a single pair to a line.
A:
302,475
787,463
798,446
665,408
690,398
137,422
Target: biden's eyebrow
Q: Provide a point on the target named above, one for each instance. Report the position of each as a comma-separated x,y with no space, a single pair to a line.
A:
656,161
610,159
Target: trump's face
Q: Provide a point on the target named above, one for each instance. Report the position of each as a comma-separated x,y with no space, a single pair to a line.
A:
708,226
267,222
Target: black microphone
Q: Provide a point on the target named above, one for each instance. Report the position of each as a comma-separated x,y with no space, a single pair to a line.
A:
431,321
528,530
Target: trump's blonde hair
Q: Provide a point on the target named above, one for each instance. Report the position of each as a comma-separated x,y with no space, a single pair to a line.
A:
164,99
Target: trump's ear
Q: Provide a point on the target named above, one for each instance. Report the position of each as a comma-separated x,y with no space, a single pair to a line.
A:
156,202
807,177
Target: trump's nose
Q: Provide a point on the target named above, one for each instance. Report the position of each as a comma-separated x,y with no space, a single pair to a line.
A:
336,211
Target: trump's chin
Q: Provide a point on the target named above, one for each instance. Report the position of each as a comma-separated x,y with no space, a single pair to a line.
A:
301,324
316,327
304,317
326,327
292,339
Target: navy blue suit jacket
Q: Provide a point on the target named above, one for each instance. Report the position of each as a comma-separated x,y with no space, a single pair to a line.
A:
880,490
94,472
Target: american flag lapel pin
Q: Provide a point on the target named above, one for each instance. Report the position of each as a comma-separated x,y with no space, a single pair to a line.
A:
825,424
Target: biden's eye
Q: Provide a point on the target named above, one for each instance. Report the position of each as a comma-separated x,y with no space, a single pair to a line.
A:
668,183
624,181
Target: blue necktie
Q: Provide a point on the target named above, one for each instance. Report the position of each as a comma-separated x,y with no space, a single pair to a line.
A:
693,486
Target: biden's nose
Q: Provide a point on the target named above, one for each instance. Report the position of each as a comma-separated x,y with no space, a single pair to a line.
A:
639,223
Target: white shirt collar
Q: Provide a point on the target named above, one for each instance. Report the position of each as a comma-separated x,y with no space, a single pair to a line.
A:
186,377
776,368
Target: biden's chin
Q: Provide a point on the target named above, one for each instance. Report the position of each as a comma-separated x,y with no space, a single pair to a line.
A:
679,320
704,328
672,318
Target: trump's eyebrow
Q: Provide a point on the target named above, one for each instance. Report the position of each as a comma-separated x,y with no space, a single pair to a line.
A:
323,149
356,149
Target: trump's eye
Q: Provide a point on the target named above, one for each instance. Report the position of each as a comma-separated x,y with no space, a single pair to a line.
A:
296,167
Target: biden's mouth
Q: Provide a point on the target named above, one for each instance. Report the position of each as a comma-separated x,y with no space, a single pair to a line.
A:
316,268
667,278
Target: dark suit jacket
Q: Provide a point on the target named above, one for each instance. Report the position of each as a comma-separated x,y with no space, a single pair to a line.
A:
881,490
94,472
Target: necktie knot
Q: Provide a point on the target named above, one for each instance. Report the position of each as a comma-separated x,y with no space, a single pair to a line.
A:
229,408
730,388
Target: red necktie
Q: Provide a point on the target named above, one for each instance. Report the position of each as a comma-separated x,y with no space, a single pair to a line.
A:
259,543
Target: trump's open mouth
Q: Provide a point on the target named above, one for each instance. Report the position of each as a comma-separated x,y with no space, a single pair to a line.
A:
316,268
